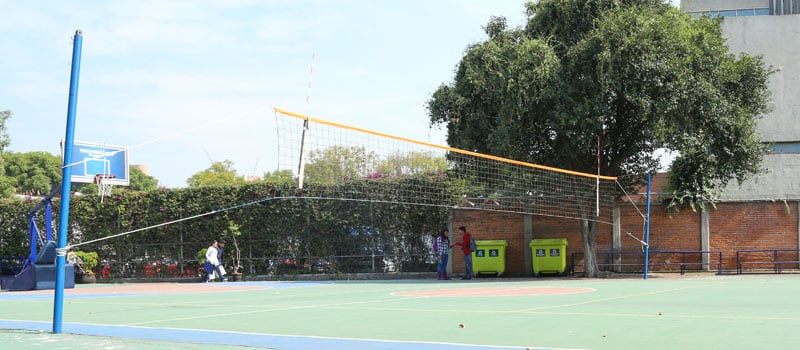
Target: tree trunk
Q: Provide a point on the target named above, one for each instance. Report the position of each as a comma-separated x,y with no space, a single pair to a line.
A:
589,238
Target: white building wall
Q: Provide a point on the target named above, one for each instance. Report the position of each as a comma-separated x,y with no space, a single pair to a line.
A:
718,5
777,38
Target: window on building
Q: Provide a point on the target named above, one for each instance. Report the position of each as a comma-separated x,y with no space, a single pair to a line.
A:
736,13
762,12
785,148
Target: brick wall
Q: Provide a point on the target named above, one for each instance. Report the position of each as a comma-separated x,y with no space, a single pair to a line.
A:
485,225
732,226
760,225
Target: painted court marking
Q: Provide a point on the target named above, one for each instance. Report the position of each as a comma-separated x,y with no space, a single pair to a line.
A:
494,292
133,289
144,288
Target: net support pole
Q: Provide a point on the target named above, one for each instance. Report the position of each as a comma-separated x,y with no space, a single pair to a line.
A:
301,167
647,231
597,185
66,175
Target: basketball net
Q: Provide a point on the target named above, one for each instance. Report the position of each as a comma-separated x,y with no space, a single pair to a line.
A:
103,185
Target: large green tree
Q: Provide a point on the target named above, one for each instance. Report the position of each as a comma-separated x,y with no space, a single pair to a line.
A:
284,176
32,173
4,138
639,74
6,187
37,173
411,163
337,163
218,174
139,181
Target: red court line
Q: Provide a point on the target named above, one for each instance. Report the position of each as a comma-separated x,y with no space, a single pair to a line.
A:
147,288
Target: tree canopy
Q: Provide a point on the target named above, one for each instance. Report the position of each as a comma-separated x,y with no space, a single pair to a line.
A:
284,176
6,187
639,75
37,173
218,174
4,138
338,162
32,173
139,181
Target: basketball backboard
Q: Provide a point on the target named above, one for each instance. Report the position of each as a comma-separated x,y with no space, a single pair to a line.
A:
90,159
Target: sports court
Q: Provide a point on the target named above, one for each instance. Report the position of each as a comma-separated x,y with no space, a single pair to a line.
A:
695,311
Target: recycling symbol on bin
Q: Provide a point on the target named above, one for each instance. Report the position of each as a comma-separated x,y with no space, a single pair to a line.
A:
540,252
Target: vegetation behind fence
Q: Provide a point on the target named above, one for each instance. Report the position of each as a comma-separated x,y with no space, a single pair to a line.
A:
274,229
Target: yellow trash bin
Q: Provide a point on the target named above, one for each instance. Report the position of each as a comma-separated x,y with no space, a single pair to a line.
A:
549,255
490,258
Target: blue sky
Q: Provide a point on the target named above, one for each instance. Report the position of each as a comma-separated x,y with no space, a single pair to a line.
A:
183,83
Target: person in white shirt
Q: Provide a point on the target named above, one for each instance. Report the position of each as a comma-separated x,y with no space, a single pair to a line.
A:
212,262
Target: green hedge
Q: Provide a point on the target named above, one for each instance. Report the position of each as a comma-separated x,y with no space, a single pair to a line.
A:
278,225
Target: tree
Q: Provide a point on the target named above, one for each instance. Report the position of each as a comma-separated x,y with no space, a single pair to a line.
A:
5,140
6,185
279,176
218,174
139,181
32,173
638,74
338,162
411,163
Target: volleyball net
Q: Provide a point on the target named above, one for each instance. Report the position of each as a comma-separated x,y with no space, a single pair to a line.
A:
343,158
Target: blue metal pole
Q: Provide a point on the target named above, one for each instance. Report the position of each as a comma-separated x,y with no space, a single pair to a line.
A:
34,234
66,175
647,231
48,220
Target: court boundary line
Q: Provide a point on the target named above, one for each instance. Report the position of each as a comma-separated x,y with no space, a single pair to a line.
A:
255,340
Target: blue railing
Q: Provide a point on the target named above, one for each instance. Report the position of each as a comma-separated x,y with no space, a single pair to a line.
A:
778,258
660,260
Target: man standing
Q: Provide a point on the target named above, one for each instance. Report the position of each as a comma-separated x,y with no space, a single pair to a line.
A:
467,253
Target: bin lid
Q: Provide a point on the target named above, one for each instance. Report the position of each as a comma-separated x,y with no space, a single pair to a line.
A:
488,242
548,241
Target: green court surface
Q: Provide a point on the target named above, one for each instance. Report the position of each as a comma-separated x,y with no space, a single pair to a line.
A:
662,312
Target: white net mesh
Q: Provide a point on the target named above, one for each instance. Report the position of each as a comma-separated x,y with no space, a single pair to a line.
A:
104,187
415,172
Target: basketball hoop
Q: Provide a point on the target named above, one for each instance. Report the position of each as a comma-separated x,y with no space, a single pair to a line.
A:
103,185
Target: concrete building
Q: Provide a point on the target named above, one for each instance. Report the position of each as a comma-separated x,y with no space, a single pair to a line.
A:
770,28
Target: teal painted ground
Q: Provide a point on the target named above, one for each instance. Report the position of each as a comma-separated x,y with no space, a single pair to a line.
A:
663,312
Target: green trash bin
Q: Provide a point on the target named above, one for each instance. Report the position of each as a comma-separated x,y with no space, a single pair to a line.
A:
490,258
549,255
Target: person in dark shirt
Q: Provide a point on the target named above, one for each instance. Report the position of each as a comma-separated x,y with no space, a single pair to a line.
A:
467,253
